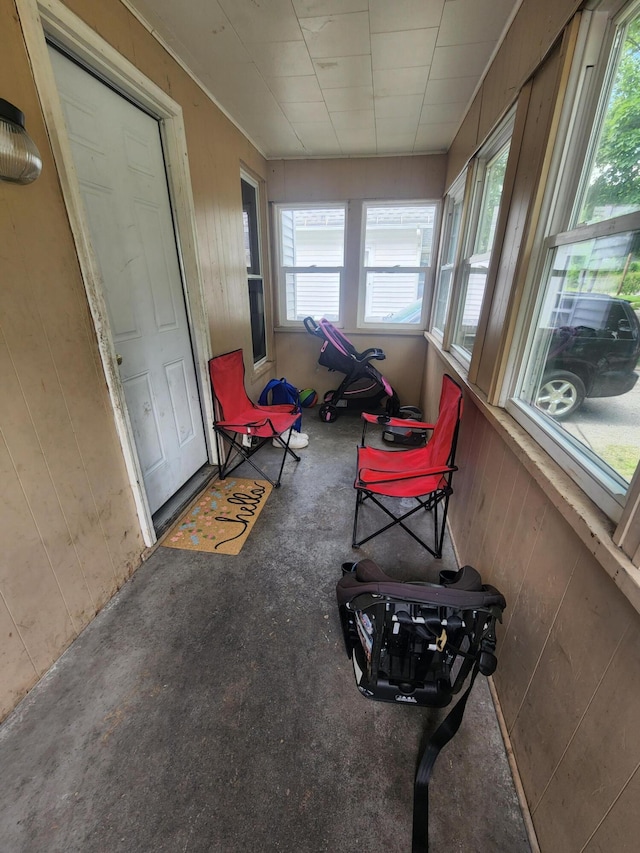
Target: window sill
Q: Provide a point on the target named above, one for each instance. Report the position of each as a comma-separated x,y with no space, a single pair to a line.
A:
262,368
384,331
589,523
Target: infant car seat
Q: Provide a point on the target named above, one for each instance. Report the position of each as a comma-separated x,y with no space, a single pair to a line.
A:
415,644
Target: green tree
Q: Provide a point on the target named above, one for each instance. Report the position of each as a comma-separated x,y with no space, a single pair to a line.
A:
615,176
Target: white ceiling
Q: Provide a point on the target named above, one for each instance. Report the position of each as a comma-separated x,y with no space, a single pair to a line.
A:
335,78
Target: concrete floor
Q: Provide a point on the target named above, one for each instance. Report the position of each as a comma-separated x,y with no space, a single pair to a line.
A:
211,707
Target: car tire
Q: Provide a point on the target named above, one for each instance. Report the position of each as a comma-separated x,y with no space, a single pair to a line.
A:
561,393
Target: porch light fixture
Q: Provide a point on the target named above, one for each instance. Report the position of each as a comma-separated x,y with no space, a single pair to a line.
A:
20,161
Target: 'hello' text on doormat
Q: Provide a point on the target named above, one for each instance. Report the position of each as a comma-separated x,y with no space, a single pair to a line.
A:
222,518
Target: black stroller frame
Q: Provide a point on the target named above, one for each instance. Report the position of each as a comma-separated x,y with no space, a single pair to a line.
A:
362,382
417,644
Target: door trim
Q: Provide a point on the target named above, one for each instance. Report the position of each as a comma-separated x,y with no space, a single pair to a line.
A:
41,18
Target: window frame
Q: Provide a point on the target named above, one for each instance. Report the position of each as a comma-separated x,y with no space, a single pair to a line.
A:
474,196
582,115
282,271
256,274
427,271
457,195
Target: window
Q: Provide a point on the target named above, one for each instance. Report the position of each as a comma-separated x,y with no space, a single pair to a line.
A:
310,261
251,229
578,386
450,241
396,262
479,239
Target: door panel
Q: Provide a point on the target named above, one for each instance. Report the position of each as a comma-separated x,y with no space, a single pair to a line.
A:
117,152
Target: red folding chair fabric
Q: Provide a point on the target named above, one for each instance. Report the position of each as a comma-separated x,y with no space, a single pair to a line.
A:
424,473
236,415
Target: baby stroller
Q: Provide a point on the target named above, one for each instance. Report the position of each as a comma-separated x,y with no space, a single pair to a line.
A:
363,387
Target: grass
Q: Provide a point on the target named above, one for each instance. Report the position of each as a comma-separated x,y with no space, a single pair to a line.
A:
622,458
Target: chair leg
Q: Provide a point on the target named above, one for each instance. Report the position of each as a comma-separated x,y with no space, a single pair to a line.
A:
225,468
443,523
287,450
430,505
354,543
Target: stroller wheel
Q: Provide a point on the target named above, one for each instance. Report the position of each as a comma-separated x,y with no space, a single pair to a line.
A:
328,413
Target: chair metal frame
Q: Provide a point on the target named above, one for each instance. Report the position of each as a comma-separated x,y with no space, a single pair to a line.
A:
236,416
411,473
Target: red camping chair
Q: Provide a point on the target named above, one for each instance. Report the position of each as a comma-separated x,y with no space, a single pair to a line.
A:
424,473
235,416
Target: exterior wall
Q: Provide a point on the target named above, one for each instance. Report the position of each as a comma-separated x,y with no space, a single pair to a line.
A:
70,532
568,676
356,179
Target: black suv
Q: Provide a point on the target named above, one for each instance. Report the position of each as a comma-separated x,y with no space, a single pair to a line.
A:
594,350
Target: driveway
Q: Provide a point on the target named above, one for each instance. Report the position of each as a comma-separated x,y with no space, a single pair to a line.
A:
610,426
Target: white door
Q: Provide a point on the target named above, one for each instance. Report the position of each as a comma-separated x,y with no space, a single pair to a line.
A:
117,152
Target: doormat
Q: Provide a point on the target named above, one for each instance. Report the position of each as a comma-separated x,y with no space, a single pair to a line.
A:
222,518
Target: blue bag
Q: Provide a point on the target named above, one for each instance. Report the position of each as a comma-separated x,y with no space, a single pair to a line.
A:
278,392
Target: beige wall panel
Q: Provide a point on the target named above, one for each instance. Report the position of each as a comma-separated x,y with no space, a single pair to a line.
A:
463,477
619,830
431,386
499,91
569,672
357,178
488,482
111,17
53,347
549,553
600,760
27,578
45,512
466,141
297,360
473,435
17,671
509,481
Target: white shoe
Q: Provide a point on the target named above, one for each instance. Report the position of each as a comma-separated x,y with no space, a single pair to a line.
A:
296,442
295,432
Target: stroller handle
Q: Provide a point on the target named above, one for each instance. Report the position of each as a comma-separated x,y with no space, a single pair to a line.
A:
311,326
372,352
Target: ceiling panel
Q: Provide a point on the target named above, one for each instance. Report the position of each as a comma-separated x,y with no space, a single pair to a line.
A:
401,81
295,89
316,78
404,49
282,59
482,20
341,72
450,90
404,15
337,35
269,22
351,98
461,60
354,119
309,8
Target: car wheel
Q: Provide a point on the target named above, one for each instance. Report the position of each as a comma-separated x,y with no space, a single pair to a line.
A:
560,394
